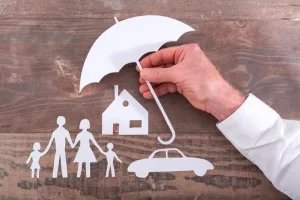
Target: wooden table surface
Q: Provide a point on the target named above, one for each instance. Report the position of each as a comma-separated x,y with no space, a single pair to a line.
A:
43,45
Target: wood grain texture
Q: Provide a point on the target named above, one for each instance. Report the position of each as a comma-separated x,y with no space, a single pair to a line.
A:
181,9
43,46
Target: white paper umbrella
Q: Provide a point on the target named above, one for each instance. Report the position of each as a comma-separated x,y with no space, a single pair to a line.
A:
126,42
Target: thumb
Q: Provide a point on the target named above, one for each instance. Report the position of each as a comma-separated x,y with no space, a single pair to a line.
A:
159,75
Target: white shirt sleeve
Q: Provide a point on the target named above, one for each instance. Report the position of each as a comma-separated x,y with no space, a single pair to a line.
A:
270,142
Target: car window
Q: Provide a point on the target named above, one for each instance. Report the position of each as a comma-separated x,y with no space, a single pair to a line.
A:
174,154
160,154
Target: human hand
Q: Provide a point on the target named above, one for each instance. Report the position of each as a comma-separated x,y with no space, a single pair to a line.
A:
187,70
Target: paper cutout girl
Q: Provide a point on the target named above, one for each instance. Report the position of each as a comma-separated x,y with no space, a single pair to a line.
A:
110,156
85,153
35,156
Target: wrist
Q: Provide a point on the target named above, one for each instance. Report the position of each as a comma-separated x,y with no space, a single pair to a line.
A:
225,101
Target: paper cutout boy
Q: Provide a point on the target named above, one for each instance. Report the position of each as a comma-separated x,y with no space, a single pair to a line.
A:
110,156
35,156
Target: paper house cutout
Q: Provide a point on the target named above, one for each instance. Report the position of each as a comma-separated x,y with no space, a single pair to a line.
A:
123,112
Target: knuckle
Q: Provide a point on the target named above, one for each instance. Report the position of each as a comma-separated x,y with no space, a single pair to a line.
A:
157,74
194,47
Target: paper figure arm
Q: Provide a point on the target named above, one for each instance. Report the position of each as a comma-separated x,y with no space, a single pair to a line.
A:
96,144
76,141
29,158
49,144
116,156
43,153
70,140
270,142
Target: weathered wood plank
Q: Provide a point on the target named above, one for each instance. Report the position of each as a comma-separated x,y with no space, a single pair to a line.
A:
180,9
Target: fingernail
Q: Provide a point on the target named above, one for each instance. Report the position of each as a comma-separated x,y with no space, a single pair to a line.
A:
137,69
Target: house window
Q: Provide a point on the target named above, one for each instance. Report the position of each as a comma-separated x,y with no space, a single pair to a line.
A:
135,123
125,103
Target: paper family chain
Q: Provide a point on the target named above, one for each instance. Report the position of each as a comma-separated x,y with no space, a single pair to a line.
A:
84,153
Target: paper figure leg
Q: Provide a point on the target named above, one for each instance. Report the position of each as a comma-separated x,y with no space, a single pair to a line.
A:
55,167
63,164
88,170
79,169
32,173
107,170
112,168
38,173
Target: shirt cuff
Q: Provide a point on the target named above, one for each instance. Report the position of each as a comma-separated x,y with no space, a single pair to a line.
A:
245,127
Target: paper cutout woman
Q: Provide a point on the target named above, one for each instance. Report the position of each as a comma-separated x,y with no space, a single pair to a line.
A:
85,153
35,156
110,156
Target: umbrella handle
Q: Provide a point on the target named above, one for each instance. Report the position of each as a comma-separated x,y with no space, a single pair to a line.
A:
162,111
159,105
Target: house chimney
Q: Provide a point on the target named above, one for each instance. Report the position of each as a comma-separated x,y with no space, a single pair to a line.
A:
116,91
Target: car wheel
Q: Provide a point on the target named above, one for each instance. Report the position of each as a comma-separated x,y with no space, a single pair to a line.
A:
200,172
141,174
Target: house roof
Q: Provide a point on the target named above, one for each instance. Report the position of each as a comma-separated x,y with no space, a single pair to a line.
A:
126,96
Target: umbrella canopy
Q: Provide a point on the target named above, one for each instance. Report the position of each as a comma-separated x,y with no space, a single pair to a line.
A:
126,42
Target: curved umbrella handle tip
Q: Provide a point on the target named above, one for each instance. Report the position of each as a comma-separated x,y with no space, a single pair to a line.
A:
116,19
166,142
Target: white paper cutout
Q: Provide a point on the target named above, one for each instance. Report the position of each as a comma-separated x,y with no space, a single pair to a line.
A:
121,111
126,42
35,155
144,166
162,111
85,153
60,135
110,156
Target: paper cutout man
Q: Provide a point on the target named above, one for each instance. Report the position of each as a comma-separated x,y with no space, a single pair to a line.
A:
35,156
110,156
85,153
60,135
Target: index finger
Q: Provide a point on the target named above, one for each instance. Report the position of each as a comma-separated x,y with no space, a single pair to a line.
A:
161,57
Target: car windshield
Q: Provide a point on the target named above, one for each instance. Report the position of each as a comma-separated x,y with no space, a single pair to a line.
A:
158,154
175,153
167,153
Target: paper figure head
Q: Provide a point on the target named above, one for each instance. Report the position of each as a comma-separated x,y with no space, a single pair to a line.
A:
110,146
61,120
36,146
84,124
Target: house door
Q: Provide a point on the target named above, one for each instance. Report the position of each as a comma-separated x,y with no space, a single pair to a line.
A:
116,128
